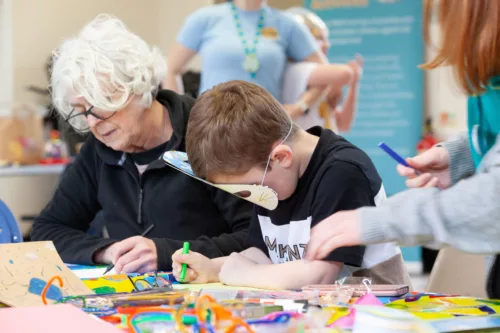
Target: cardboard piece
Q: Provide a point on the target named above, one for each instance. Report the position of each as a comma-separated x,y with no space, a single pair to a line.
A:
25,269
59,318
260,195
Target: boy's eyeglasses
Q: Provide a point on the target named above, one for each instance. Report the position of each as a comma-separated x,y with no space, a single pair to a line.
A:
271,154
158,282
78,120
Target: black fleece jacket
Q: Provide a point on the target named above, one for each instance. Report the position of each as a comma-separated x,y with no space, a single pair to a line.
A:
180,207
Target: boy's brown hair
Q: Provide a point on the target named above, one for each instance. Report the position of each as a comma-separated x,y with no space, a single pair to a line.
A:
233,127
470,39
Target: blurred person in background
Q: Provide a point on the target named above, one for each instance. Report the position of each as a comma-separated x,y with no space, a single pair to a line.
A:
315,86
241,40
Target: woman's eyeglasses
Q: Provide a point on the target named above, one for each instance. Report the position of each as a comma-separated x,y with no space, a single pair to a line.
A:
158,282
78,119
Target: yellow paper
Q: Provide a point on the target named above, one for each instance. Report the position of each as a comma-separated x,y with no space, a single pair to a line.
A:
117,283
433,308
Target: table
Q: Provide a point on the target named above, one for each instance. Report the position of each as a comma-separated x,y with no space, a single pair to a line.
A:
121,284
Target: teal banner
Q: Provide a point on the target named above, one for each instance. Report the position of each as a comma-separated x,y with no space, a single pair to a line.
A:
388,34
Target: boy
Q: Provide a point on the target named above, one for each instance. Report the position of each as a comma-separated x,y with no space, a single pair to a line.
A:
238,133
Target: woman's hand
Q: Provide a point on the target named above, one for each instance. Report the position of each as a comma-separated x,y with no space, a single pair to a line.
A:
433,166
132,255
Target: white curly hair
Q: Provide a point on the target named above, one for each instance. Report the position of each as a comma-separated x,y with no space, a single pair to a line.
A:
107,65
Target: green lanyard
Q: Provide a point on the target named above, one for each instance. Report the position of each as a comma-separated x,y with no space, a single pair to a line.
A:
251,62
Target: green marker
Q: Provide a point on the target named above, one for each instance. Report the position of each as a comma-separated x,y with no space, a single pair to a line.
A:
185,250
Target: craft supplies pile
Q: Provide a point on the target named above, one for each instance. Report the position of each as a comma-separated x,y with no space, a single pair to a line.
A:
35,283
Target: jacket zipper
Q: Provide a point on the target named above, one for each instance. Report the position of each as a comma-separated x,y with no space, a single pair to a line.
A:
139,210
141,194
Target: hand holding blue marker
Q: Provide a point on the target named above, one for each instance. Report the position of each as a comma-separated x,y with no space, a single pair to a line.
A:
395,156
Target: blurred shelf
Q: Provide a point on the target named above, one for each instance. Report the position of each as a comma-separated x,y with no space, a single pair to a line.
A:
32,170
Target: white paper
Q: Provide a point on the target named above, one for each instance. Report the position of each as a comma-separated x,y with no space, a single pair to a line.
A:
92,273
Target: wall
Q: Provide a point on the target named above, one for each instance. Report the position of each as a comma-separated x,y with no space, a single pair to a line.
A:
444,96
6,93
34,33
171,21
37,31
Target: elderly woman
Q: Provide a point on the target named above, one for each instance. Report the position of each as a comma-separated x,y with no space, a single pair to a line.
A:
105,80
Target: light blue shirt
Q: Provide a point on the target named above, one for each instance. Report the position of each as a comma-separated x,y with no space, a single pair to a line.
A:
211,32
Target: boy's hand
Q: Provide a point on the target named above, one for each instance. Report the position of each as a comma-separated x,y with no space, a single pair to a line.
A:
257,256
236,270
200,269
339,230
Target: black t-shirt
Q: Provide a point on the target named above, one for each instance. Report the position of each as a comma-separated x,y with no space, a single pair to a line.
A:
339,177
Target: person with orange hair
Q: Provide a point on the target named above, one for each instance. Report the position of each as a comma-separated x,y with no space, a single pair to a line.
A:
454,198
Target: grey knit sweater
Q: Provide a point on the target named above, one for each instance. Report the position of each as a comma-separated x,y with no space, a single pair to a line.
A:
465,216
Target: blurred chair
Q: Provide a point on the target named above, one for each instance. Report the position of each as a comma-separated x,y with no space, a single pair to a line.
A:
9,229
458,273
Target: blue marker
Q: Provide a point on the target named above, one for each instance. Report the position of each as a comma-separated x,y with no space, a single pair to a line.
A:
395,155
